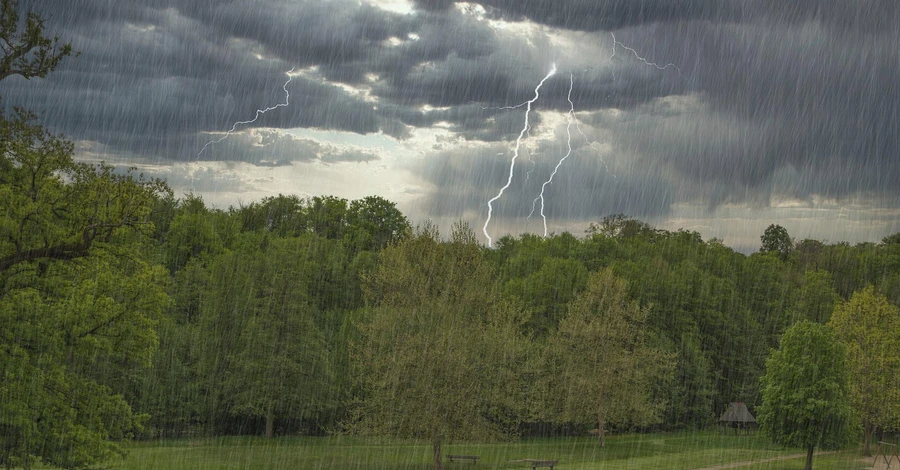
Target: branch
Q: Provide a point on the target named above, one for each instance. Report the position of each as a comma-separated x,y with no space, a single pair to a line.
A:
64,251
27,53
67,251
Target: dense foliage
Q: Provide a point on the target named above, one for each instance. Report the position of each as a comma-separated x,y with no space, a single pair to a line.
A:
869,327
292,325
806,392
314,315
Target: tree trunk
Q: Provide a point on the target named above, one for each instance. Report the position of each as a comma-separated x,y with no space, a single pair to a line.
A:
867,430
809,456
270,421
436,446
601,432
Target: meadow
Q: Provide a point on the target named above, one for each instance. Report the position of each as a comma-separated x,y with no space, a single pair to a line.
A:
663,451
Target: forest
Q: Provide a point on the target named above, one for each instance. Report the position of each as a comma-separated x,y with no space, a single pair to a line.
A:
129,313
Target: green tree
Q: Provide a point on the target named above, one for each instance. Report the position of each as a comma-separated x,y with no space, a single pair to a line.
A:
806,392
265,355
280,366
869,327
327,216
78,300
816,297
373,223
547,291
598,367
622,226
438,350
807,254
776,239
192,233
228,302
54,208
169,390
72,335
282,215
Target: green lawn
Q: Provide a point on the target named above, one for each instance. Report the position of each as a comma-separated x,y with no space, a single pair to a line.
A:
646,452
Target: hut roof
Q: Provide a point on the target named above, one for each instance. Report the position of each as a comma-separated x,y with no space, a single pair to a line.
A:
737,412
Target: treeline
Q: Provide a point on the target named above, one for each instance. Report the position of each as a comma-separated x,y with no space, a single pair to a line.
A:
128,312
242,279
263,300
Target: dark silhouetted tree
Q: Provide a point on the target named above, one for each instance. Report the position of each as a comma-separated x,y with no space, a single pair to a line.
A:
27,52
776,239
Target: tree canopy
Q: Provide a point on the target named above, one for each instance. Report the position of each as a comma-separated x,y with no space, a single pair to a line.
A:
599,368
869,327
439,348
806,392
776,240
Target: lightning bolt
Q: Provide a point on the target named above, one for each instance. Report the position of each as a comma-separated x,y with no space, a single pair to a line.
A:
570,120
591,144
570,116
259,112
616,42
529,172
512,163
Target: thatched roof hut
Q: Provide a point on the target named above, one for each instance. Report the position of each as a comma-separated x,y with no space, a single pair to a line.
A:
737,412
737,416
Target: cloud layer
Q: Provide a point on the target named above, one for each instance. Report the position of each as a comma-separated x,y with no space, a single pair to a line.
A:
770,100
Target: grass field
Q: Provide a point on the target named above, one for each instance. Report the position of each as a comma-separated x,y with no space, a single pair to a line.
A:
646,452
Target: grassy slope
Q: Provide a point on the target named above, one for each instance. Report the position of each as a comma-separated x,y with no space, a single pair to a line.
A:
646,452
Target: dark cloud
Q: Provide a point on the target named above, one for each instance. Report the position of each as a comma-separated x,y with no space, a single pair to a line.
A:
153,75
769,99
611,15
608,15
307,32
809,100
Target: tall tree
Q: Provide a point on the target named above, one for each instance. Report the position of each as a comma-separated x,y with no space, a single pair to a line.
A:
870,329
547,291
621,226
192,233
777,240
282,215
265,356
438,353
71,334
280,366
598,367
374,222
806,392
327,216
78,298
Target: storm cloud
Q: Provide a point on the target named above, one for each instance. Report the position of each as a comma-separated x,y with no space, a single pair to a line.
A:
696,103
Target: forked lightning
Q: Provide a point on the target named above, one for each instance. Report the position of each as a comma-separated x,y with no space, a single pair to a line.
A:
259,112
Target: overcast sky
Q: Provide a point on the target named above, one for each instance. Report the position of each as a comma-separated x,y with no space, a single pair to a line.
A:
716,116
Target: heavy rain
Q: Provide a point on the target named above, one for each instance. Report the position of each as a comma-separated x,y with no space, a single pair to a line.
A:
433,234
